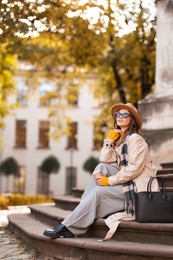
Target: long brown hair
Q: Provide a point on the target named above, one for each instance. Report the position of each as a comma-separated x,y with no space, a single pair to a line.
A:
133,128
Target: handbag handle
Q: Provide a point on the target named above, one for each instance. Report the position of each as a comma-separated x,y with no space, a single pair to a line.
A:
160,180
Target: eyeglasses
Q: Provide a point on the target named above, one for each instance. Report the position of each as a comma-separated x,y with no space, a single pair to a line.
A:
124,115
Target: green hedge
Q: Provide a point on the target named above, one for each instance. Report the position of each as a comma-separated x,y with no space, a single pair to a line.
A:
20,199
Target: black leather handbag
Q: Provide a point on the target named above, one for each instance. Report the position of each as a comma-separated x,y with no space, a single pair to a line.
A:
154,207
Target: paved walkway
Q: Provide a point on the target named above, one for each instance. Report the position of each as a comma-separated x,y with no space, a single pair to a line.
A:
12,247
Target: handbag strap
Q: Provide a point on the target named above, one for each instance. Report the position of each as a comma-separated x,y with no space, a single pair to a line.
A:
161,181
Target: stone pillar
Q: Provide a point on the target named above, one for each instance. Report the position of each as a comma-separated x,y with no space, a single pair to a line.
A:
157,109
164,57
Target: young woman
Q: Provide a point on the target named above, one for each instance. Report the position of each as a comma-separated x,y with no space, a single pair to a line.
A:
124,158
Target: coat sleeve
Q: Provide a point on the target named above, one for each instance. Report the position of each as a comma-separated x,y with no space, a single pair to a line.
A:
137,157
108,153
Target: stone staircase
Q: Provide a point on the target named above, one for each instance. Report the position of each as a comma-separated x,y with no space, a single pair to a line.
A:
132,241
167,174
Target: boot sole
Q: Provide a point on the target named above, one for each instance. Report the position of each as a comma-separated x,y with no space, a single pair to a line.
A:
62,234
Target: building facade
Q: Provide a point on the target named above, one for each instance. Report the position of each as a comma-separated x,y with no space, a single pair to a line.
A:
26,140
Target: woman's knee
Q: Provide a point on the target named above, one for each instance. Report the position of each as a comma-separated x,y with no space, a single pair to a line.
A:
98,190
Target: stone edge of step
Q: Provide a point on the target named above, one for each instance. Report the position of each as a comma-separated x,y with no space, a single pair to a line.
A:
19,222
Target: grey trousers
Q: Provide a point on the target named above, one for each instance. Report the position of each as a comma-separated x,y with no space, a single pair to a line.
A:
96,202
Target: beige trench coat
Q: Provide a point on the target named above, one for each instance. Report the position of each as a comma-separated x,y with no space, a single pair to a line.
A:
140,167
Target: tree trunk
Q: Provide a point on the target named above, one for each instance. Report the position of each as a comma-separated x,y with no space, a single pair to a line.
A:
119,84
146,85
117,77
7,183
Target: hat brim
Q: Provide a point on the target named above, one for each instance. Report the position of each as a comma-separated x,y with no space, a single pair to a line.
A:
117,107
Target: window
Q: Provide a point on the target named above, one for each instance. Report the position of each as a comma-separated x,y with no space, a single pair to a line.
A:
43,134
42,182
72,139
22,93
70,179
20,134
19,181
45,94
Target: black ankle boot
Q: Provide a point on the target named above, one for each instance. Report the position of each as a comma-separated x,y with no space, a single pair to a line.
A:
59,231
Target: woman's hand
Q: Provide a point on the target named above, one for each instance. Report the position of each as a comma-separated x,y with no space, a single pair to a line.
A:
102,181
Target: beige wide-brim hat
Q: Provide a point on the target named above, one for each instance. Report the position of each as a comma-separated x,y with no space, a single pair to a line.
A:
131,108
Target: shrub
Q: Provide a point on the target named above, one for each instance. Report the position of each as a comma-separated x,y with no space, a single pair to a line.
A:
9,166
4,202
50,165
90,164
20,199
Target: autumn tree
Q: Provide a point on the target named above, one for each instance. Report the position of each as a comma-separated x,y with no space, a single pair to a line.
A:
16,20
62,40
128,64
127,71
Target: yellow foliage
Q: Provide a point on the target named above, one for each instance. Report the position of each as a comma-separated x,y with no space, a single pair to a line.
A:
23,199
4,202
7,83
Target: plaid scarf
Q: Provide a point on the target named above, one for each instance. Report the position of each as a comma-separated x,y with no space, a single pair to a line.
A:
128,187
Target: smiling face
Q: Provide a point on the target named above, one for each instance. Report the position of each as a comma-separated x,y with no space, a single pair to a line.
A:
123,122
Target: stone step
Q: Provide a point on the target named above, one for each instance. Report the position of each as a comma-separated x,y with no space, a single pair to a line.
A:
168,180
66,202
158,233
167,165
76,192
31,229
48,214
165,171
170,189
